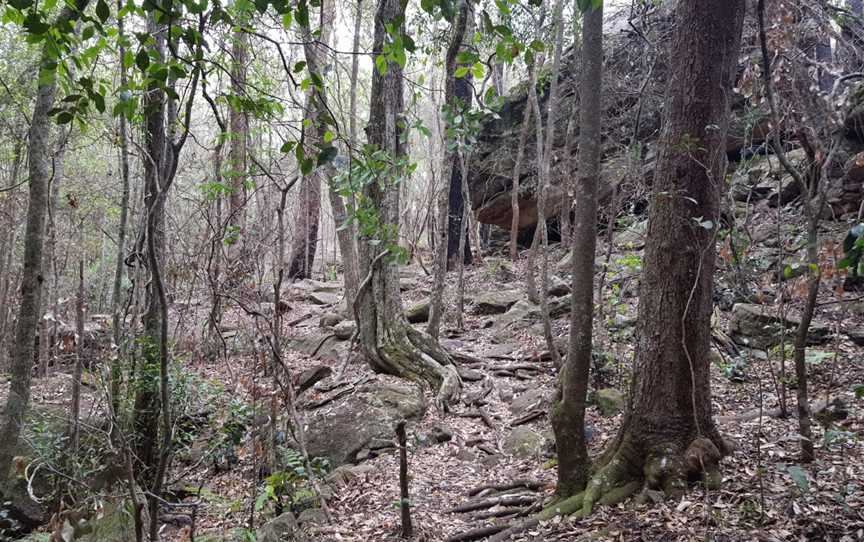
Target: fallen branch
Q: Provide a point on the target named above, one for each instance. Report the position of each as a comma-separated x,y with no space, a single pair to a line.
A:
504,500
477,534
478,413
533,485
530,417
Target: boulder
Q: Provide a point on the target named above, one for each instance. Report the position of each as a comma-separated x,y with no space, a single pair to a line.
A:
418,312
609,401
759,326
330,319
533,399
114,524
283,528
344,329
558,287
524,442
324,298
496,302
310,377
342,428
322,345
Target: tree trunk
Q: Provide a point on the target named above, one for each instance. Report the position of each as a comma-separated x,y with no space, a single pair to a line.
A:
79,347
38,154
6,257
389,343
517,174
116,293
568,413
450,170
668,434
459,95
239,135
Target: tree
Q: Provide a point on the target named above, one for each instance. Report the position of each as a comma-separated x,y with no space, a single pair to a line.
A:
568,412
237,152
39,166
345,231
668,433
389,343
453,96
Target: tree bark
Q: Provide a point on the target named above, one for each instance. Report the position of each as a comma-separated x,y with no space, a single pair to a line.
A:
116,289
458,94
568,412
389,343
668,433
450,170
239,135
38,154
79,348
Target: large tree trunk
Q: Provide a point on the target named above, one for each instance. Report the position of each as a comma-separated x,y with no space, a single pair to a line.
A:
39,165
461,94
389,343
668,434
239,134
451,174
568,414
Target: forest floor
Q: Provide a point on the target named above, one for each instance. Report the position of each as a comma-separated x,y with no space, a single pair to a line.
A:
766,494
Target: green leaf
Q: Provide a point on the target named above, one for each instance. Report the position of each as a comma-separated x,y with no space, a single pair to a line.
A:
381,65
461,72
142,60
102,10
329,136
859,391
326,155
64,117
299,66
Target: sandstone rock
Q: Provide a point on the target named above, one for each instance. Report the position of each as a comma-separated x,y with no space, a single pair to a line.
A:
533,399
759,326
330,319
524,442
418,312
557,287
280,529
344,329
324,298
496,302
610,401
341,429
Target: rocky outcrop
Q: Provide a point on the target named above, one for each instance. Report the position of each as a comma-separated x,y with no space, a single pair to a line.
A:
760,327
348,429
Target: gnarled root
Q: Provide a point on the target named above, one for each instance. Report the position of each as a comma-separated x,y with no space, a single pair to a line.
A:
667,467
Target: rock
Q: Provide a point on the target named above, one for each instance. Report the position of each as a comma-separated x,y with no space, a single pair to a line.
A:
280,529
322,345
441,433
324,298
310,377
114,524
491,460
466,455
502,351
505,394
610,401
344,329
523,442
330,319
522,310
533,399
312,516
496,302
345,474
557,287
759,326
341,429
418,312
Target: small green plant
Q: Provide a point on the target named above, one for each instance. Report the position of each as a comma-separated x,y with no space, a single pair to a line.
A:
290,486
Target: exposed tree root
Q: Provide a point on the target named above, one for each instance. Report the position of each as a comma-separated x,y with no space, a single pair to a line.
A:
622,473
